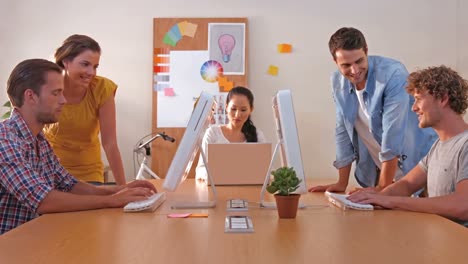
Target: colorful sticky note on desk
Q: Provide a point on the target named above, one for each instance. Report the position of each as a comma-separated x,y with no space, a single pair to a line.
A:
284,48
198,215
187,215
178,215
273,70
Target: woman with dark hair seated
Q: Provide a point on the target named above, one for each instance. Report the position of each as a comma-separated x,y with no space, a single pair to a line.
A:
239,106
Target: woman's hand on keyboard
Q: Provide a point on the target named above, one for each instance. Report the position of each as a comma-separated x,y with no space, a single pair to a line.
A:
141,183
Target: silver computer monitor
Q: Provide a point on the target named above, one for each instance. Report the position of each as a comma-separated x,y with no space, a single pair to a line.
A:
286,131
190,143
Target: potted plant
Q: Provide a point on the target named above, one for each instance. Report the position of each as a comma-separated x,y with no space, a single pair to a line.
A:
284,183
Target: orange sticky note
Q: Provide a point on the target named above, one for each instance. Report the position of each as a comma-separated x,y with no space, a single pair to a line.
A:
198,215
224,84
284,48
273,70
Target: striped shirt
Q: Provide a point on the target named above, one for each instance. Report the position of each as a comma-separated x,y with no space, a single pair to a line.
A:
29,170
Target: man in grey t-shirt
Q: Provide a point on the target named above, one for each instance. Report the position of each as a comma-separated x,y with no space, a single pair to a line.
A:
440,101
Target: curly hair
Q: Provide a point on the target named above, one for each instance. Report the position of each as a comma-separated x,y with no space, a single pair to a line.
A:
440,81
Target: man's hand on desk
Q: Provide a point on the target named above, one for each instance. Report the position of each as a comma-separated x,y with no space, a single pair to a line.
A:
369,196
335,187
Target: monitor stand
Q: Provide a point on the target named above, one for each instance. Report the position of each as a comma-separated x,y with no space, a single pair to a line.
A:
262,202
200,205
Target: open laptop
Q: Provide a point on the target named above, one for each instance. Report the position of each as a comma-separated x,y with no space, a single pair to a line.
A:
239,163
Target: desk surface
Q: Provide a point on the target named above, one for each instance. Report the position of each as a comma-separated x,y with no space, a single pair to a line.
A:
321,233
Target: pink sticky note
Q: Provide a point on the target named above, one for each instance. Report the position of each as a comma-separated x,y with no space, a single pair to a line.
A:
168,91
178,215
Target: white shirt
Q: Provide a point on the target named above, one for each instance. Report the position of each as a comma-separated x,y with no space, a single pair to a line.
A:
362,127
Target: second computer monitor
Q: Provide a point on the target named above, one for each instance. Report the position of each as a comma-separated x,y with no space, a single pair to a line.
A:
290,149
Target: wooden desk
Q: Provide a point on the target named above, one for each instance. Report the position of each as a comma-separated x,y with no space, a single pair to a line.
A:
319,234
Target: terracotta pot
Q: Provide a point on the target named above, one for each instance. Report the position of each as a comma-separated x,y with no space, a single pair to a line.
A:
287,205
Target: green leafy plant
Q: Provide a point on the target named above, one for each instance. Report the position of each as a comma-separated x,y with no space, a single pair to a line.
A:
284,181
8,113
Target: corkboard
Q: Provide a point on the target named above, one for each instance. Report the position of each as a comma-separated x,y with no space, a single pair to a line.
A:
163,151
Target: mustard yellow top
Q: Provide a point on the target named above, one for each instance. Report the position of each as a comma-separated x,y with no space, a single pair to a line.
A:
75,137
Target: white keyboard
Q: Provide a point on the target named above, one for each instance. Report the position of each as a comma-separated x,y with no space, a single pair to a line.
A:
150,204
340,200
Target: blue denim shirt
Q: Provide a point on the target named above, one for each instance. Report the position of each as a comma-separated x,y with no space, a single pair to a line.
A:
392,123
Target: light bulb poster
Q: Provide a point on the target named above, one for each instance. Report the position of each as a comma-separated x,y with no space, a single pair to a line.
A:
226,45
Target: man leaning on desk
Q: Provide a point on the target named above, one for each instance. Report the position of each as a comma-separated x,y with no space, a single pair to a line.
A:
375,127
32,181
440,101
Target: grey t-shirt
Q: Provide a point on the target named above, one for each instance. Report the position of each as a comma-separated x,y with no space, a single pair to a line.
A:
446,164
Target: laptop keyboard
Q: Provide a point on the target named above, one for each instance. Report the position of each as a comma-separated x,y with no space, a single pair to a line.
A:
150,204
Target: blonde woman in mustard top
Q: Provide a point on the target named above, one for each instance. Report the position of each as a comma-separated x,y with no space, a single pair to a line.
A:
90,110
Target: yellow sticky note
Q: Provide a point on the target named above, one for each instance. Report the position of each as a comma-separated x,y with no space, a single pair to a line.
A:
182,26
284,48
273,70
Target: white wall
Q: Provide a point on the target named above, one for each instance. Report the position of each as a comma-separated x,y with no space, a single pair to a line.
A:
419,33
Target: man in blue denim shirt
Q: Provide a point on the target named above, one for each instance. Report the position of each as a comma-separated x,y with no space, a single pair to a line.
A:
374,123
